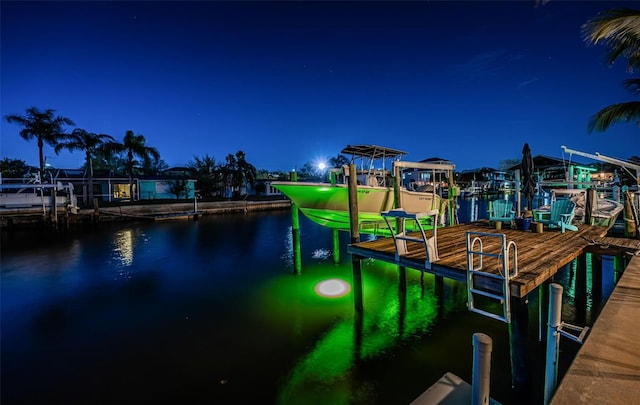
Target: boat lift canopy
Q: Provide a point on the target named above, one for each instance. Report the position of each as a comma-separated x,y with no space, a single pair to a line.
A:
372,152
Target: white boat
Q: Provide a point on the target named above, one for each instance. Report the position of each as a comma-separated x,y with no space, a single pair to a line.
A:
27,198
328,203
604,212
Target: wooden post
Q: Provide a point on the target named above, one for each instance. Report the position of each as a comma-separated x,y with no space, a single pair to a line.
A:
336,246
438,287
54,209
96,211
590,206
581,290
553,341
519,342
402,278
355,238
402,310
630,219
356,272
596,280
398,222
518,195
353,204
480,384
295,232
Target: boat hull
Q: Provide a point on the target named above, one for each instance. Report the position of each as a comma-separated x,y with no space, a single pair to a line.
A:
328,205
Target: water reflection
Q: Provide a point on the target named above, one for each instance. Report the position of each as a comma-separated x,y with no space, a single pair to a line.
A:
123,248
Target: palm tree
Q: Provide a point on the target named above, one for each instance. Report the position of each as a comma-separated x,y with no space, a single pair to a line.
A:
619,30
237,172
338,161
207,174
134,146
41,125
89,143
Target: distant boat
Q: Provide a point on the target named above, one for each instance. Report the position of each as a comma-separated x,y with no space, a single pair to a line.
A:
327,204
35,197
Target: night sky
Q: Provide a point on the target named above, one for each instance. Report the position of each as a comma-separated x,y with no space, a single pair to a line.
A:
294,82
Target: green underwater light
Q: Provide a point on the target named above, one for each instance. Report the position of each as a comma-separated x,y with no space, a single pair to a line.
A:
332,288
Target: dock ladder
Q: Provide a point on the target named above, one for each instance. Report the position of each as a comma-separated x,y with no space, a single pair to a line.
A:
475,273
401,237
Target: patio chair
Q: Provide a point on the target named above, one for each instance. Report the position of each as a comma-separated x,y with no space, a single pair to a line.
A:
562,212
502,211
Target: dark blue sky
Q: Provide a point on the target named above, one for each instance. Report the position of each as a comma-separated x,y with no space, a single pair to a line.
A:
292,82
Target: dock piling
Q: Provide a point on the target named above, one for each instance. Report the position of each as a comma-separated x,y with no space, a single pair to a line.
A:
480,384
553,341
295,232
355,237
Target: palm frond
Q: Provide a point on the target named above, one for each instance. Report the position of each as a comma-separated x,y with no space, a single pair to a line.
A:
622,112
619,30
633,85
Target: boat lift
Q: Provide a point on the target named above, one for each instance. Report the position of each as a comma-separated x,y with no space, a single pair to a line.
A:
626,165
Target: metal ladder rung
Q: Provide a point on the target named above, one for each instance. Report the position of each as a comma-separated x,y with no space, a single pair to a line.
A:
485,274
488,294
487,313
498,255
503,275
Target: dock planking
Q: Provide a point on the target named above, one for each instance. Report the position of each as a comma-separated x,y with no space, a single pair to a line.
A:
540,255
606,370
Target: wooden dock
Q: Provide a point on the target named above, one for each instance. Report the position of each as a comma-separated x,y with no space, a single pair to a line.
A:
540,255
606,370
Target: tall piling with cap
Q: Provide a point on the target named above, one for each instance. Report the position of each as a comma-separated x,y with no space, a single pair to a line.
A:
481,383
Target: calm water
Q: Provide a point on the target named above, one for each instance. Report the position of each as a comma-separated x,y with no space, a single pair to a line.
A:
210,312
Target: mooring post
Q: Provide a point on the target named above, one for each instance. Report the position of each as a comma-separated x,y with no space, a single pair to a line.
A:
402,278
402,271
402,311
438,287
543,310
581,289
54,209
553,341
480,383
96,212
295,231
596,279
336,246
355,238
519,343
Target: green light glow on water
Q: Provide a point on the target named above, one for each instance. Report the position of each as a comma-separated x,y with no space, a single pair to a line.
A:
331,363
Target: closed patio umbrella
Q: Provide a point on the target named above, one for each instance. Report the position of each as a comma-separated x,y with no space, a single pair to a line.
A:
529,182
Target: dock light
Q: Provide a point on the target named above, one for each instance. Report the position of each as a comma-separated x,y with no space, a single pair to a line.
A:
332,288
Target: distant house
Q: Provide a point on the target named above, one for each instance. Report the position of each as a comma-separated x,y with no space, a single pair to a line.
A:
548,169
417,178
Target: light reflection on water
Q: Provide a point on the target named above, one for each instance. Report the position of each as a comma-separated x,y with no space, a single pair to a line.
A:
209,311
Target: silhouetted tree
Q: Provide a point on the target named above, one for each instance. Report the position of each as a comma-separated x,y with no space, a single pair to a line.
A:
13,167
207,174
133,146
237,172
87,142
43,126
